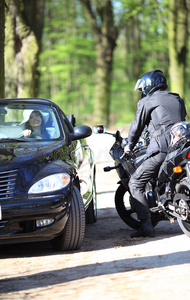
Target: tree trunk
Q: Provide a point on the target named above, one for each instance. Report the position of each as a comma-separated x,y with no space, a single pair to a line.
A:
177,34
133,55
2,40
23,44
103,76
105,34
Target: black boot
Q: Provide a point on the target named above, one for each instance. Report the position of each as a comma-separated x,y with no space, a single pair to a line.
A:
146,230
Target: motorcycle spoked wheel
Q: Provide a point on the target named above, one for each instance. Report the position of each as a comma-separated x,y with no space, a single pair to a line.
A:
184,188
125,209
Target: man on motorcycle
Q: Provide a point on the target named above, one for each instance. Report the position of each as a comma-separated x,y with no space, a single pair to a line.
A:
159,110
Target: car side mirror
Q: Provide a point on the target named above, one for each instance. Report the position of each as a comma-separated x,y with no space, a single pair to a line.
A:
80,132
99,129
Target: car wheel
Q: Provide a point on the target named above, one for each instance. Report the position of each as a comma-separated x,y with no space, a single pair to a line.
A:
73,234
91,212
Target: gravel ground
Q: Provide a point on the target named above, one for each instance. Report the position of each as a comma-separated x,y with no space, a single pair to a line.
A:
110,265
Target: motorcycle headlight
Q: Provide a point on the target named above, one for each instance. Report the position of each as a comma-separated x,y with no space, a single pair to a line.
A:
50,183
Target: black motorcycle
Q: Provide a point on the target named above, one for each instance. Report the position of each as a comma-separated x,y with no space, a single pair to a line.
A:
168,195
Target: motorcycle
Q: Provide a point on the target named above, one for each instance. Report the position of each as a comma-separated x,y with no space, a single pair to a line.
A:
168,194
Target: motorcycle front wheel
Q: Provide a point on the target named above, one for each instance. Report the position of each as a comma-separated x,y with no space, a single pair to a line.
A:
125,209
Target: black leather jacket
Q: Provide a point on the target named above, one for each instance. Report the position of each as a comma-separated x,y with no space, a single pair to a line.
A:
159,111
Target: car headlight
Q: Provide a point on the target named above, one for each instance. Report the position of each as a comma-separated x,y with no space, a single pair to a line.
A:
50,183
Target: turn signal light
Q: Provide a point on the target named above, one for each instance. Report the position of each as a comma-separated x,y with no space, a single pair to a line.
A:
177,169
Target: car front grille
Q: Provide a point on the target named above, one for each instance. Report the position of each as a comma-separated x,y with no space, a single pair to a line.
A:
7,184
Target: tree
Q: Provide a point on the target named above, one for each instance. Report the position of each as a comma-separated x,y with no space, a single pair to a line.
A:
2,40
24,23
141,47
100,15
177,36
127,64
67,61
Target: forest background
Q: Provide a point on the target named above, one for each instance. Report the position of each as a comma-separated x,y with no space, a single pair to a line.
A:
86,55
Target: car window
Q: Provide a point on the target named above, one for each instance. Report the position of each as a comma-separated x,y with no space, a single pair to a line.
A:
66,124
28,121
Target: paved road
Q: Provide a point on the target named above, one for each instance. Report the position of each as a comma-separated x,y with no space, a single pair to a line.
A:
110,265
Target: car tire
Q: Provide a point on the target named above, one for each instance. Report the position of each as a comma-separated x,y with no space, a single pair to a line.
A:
73,235
91,212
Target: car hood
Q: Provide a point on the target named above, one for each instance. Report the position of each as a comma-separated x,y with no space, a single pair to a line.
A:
26,153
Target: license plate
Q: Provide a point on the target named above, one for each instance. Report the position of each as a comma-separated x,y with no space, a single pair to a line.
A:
0,213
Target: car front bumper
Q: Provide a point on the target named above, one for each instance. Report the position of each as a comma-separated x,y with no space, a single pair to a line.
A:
19,218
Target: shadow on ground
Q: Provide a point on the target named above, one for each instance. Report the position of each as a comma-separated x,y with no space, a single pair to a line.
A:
108,232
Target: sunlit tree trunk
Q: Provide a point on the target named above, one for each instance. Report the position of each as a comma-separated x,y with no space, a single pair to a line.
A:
177,34
133,55
2,40
105,34
24,23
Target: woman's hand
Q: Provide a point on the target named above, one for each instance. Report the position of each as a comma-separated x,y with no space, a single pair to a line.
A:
26,132
30,134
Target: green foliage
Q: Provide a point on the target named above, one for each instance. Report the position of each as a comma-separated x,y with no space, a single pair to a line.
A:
152,53
122,88
67,63
2,41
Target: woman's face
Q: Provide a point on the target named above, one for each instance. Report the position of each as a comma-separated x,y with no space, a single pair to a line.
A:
35,120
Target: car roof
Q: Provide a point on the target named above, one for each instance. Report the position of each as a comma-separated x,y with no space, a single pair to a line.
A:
29,100
35,101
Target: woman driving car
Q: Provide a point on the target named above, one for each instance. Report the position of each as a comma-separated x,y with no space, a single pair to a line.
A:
35,126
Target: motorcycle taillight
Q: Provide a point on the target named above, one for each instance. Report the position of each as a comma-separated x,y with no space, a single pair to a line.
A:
188,154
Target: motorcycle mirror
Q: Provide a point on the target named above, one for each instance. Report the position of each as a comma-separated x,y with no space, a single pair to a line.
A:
99,129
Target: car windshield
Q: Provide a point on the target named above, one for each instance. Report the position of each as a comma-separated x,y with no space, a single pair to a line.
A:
24,122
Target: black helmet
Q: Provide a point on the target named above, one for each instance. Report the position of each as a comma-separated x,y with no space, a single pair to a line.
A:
150,82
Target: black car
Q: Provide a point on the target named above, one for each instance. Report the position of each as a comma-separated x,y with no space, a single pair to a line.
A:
47,175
